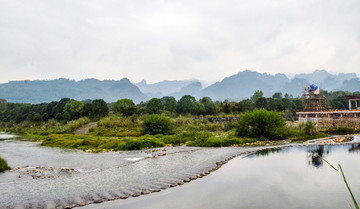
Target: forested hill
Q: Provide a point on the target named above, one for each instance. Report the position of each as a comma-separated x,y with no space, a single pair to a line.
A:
53,90
236,87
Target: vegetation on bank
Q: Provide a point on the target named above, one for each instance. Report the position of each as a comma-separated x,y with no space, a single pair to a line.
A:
3,165
124,125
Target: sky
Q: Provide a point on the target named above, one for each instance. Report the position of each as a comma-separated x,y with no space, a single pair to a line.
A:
172,40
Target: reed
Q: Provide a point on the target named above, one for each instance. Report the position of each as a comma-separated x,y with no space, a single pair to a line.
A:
341,172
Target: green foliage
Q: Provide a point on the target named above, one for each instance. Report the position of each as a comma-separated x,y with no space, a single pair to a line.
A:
245,106
208,105
157,124
96,109
72,110
187,105
342,130
169,104
277,95
50,127
257,95
3,105
97,144
154,106
3,165
261,124
125,107
308,128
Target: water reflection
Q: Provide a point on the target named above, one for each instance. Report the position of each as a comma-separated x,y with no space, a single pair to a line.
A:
316,154
354,148
266,152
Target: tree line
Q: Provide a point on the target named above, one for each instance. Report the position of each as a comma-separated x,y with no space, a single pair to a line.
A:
69,109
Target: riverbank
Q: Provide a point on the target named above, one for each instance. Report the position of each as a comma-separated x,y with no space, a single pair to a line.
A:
118,133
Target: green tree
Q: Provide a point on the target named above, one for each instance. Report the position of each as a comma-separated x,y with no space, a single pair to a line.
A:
209,107
34,117
261,103
261,124
72,110
277,95
154,106
98,108
125,107
187,104
3,105
157,124
245,105
226,107
169,104
258,94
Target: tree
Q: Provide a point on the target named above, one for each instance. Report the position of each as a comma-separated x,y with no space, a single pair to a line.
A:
34,117
226,107
277,95
261,103
209,107
169,103
261,124
245,105
96,109
187,104
157,124
125,107
258,94
154,106
3,105
72,110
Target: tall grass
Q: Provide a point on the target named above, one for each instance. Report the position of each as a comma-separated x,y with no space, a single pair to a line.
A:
341,172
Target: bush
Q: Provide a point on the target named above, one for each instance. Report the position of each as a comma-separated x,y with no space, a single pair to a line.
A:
157,124
3,165
308,128
261,124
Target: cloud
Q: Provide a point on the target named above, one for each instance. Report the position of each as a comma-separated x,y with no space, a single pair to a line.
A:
166,39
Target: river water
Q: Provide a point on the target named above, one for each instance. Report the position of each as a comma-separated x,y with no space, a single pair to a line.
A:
291,177
44,177
294,177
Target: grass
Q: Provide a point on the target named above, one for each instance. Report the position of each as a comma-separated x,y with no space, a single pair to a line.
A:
3,165
117,132
341,172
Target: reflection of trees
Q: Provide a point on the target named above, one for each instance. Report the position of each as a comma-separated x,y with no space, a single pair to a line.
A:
316,153
266,152
354,148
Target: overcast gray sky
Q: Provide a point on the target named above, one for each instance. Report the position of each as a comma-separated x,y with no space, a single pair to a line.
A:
168,39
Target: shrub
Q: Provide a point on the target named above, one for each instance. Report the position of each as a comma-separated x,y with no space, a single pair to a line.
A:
3,165
157,124
261,124
308,128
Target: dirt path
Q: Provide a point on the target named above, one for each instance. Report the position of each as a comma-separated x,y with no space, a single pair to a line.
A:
85,129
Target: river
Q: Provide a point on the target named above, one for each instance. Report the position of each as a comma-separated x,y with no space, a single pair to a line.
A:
44,177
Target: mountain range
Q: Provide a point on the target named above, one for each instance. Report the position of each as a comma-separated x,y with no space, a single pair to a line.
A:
236,87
